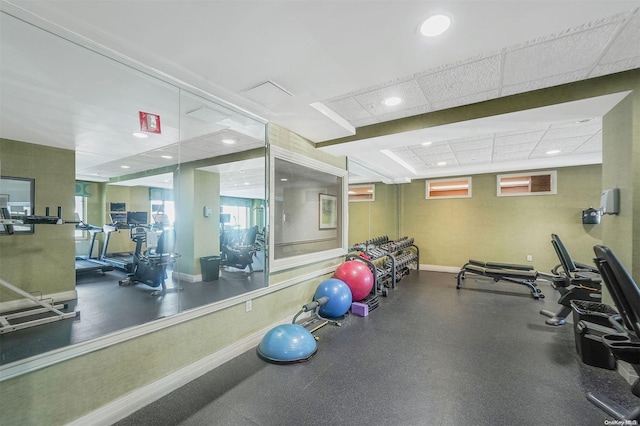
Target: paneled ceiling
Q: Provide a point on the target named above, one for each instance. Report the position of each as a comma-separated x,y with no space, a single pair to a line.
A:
318,68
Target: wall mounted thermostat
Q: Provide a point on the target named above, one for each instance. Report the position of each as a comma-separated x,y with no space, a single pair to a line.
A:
206,211
610,201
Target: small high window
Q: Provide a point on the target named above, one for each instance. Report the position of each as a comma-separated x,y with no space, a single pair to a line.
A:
459,187
534,183
362,193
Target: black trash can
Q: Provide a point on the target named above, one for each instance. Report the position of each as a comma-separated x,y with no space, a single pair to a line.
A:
210,266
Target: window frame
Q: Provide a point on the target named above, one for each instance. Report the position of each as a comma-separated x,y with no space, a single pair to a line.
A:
453,180
370,199
553,183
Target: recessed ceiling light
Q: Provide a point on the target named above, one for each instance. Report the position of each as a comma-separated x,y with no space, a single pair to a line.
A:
392,101
228,141
125,167
442,163
167,157
140,135
435,25
284,180
247,183
426,143
553,151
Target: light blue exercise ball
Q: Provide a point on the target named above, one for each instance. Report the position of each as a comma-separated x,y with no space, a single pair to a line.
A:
287,343
340,297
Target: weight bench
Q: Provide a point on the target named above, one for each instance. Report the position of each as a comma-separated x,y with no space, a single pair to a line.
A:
518,274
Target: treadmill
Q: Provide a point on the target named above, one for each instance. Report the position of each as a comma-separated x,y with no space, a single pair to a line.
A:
120,261
88,263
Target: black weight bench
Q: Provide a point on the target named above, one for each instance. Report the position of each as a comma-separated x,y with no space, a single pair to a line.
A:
518,274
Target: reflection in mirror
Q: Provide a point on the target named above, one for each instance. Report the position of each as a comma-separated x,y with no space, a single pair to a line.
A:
308,210
362,193
17,201
151,191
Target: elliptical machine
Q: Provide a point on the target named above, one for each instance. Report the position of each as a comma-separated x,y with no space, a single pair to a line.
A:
150,266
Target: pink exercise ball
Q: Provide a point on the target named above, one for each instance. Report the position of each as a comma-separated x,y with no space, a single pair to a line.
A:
358,278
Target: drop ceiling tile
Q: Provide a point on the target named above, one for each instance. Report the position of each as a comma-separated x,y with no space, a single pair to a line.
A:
558,132
528,146
365,122
461,81
519,138
562,143
594,144
540,83
409,112
349,109
436,148
458,147
509,156
475,156
557,56
626,43
615,67
542,153
408,91
464,100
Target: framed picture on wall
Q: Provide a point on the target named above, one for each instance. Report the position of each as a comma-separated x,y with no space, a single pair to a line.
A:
328,211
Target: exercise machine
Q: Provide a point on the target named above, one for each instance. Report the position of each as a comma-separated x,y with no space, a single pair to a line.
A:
42,311
574,281
89,263
624,344
150,265
120,261
518,274
239,255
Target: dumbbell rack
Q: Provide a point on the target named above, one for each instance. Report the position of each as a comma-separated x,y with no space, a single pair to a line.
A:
389,261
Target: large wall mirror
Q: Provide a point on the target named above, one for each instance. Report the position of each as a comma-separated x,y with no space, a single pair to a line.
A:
17,198
152,158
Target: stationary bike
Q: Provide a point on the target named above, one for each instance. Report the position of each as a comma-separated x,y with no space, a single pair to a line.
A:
241,255
150,266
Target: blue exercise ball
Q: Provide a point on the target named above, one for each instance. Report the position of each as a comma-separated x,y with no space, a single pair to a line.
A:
287,343
339,295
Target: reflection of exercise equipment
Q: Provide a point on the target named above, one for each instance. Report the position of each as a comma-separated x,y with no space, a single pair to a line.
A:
150,266
239,255
574,281
519,274
121,261
291,343
47,311
88,263
624,346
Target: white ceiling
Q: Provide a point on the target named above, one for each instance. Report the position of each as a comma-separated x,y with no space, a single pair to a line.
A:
274,59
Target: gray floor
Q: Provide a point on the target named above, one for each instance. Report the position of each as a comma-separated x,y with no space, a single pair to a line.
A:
429,355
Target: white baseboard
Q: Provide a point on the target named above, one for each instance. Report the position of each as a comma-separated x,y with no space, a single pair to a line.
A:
19,304
181,276
141,397
439,268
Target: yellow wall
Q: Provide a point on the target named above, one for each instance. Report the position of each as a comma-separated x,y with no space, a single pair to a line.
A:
43,261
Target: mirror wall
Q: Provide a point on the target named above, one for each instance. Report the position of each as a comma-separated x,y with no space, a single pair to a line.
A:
151,158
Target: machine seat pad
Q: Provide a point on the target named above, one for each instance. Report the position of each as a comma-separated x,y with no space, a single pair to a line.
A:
497,265
492,272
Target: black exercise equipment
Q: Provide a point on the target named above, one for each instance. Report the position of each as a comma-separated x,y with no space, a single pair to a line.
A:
574,281
239,255
150,266
518,274
624,344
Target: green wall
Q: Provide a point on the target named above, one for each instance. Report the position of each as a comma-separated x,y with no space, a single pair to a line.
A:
370,219
44,261
449,232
